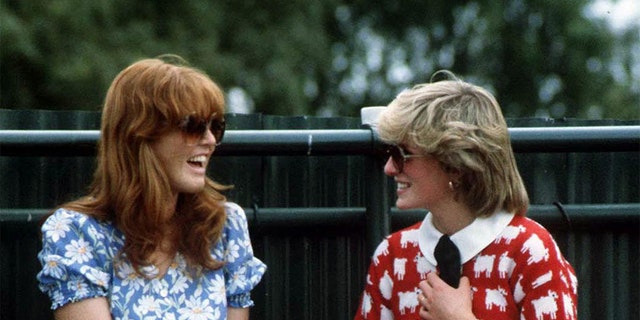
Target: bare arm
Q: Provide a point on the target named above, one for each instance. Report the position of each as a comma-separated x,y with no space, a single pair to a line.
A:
97,308
238,314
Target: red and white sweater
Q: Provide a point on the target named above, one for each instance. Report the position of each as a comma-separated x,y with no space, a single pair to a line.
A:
514,265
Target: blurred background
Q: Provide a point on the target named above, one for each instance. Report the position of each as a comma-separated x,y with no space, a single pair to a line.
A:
542,58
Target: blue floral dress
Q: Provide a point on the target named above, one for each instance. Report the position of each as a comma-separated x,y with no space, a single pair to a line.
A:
78,262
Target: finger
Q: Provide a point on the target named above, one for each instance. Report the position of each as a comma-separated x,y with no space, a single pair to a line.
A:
433,279
424,285
464,283
424,314
421,300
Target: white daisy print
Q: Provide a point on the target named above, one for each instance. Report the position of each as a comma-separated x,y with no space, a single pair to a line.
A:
78,286
56,227
197,309
218,294
96,276
94,234
232,252
238,280
179,286
57,297
128,275
52,266
78,251
147,304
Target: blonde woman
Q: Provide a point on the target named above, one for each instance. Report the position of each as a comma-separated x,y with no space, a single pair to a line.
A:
475,255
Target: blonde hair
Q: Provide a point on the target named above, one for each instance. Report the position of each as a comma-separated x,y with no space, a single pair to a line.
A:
462,126
144,101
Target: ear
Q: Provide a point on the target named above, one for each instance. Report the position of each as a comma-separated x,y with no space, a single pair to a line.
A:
455,176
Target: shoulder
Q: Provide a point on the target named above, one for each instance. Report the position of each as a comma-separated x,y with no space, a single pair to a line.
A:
67,231
395,243
232,208
534,245
64,216
236,226
236,217
527,229
64,222
409,233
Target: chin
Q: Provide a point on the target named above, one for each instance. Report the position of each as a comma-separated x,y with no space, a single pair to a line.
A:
401,206
192,189
405,206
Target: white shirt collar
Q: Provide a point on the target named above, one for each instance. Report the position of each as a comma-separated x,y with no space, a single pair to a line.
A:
470,240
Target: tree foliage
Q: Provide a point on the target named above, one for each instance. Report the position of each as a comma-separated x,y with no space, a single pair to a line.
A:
540,57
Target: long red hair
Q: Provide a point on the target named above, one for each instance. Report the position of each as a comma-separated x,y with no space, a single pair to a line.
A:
144,101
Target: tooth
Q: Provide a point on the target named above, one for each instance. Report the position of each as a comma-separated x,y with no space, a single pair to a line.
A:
198,159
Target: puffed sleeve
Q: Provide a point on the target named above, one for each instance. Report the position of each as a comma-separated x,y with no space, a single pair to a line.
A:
72,258
242,270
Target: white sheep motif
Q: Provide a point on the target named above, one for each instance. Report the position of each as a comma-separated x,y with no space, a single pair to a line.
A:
536,250
567,303
546,305
484,264
542,279
366,304
382,249
386,285
408,300
422,265
510,233
496,297
399,267
385,313
505,265
409,236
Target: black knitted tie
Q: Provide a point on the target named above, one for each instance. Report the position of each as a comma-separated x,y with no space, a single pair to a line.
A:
448,258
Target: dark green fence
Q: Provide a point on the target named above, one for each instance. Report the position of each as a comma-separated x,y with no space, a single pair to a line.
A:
315,197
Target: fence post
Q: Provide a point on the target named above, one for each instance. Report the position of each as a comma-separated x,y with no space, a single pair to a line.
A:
377,216
378,210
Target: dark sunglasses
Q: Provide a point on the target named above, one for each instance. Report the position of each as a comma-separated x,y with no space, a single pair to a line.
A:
399,156
194,128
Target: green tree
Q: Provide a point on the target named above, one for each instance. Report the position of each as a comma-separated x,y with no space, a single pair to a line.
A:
540,57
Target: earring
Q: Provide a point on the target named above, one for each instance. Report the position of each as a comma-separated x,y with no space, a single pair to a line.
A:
452,186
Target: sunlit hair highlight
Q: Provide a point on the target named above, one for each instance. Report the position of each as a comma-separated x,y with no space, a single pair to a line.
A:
463,127
130,189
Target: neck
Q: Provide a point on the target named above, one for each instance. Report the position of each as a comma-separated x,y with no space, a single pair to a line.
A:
453,218
173,201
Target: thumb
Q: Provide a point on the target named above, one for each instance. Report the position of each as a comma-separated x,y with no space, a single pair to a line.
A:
464,283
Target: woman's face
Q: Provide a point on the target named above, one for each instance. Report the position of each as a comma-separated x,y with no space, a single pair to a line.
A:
422,184
184,164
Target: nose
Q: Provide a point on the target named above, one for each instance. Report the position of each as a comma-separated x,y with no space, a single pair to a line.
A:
390,168
208,138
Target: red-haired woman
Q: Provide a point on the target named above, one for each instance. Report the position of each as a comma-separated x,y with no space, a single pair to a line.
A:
154,238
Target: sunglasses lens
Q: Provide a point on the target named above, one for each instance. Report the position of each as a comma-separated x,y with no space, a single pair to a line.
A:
217,128
194,128
396,156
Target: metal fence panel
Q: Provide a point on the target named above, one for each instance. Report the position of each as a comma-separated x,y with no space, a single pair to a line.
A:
317,267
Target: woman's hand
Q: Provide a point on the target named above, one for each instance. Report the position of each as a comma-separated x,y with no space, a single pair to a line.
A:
438,300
